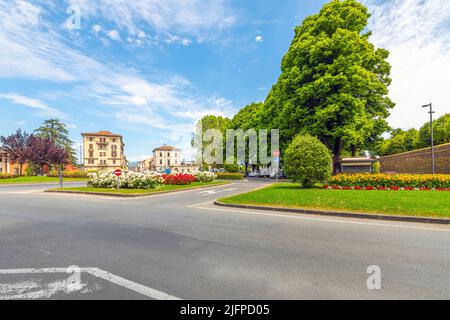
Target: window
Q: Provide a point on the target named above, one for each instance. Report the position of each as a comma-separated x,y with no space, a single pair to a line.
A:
176,162
160,161
114,161
168,162
168,154
176,154
160,154
91,139
114,139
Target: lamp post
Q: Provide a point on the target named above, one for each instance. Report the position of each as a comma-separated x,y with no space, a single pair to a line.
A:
432,135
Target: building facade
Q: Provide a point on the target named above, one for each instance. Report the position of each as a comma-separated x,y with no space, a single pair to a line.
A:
146,165
103,151
165,158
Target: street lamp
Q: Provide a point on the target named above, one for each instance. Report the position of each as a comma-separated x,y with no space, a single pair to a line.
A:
432,135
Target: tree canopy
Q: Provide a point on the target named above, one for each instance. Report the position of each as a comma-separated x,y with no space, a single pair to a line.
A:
334,82
56,131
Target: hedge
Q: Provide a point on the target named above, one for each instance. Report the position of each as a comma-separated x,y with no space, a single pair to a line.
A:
381,181
8,176
78,174
230,176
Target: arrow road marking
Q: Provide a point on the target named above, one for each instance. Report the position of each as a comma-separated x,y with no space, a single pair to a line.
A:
210,192
53,288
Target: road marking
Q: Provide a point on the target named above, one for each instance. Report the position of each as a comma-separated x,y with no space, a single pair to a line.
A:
323,219
210,192
54,288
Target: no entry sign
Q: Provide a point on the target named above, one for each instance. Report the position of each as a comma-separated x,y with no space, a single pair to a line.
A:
118,172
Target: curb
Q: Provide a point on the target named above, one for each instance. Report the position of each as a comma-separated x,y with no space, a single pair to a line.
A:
339,214
118,195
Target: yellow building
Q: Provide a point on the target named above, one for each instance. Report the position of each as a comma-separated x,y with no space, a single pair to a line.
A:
103,151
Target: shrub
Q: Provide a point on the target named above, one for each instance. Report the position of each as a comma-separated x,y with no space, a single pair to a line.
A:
307,161
230,176
129,180
178,179
393,182
204,176
76,174
376,167
232,168
7,176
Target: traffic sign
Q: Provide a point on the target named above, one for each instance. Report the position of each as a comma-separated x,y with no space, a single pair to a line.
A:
276,153
118,172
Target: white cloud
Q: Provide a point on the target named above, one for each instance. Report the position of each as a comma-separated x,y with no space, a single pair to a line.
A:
417,34
259,39
96,28
113,35
194,18
32,103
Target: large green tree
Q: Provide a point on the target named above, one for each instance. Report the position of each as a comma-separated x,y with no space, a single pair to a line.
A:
441,128
334,82
246,119
57,132
400,141
212,122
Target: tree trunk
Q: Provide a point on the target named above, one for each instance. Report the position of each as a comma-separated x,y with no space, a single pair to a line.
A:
337,149
353,151
246,169
20,168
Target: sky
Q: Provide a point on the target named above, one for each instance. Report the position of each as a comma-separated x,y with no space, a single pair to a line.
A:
150,69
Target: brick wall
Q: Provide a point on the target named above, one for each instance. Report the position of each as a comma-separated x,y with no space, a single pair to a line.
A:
418,161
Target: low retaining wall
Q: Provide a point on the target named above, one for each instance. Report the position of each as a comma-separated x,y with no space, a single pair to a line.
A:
418,161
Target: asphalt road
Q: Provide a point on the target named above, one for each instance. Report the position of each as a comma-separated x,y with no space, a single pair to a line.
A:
180,246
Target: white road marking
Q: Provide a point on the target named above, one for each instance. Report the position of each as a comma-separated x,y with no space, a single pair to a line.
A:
210,192
53,288
299,217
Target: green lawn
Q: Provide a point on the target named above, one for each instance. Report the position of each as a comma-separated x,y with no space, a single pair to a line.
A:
140,191
26,180
409,203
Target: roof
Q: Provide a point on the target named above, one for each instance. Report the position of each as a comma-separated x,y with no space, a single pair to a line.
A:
166,148
102,133
351,160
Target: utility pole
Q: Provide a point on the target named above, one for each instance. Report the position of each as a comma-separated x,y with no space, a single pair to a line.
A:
431,112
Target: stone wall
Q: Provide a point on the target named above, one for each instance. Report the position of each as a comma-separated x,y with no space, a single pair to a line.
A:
418,161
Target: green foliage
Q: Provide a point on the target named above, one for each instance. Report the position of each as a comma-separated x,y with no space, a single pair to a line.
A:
376,167
229,176
401,141
56,131
441,128
404,141
307,161
334,82
232,168
248,117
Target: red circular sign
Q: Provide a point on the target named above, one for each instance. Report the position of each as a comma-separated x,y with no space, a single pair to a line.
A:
118,172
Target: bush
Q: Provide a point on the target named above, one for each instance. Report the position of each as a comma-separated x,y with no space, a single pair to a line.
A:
76,174
129,180
376,167
7,176
307,161
205,176
179,179
398,181
232,168
230,176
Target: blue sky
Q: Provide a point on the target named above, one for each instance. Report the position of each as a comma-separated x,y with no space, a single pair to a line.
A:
149,69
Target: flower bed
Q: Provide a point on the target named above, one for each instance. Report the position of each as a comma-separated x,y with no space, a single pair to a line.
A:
178,179
407,182
151,180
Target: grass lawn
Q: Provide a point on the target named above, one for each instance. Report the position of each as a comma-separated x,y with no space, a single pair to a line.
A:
408,203
140,191
26,180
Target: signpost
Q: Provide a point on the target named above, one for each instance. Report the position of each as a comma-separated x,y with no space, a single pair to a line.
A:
118,173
